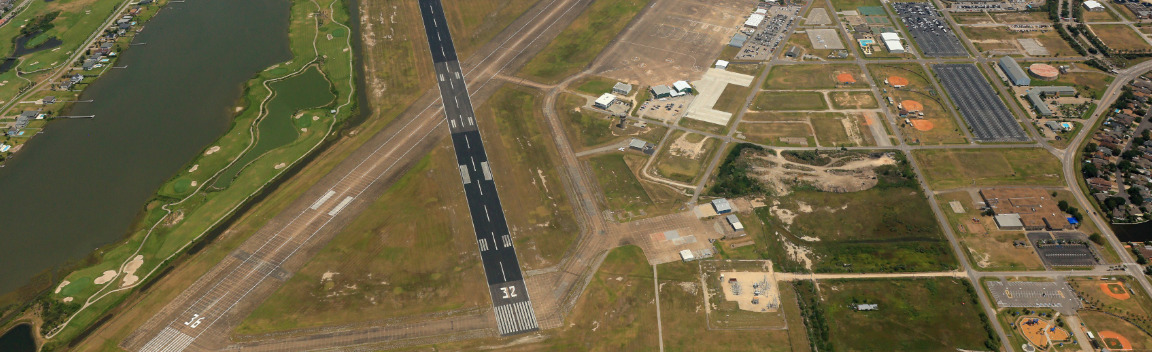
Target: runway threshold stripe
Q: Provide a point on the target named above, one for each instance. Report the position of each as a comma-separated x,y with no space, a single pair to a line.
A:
340,206
323,199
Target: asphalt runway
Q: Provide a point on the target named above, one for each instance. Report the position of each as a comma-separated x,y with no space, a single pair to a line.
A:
512,307
981,108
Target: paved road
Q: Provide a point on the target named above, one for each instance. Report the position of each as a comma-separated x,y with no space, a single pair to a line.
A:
513,308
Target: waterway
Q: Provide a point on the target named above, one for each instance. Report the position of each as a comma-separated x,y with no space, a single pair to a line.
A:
18,339
82,183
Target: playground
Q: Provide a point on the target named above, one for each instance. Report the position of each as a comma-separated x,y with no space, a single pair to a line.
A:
1040,332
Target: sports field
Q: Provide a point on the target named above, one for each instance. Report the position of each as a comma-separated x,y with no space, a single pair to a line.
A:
954,168
913,315
787,77
768,101
1116,295
1115,333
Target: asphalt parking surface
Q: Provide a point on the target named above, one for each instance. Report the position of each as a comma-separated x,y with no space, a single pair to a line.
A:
930,31
986,115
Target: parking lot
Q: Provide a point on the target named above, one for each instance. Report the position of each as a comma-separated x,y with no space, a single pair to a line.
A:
1028,294
929,30
770,34
1063,248
666,110
986,115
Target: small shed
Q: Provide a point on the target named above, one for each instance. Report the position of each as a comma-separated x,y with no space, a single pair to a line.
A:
722,206
867,307
735,222
638,144
721,64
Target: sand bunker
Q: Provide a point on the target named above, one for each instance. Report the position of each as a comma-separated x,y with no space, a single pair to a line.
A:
108,276
922,125
214,149
66,299
61,286
130,271
194,168
280,166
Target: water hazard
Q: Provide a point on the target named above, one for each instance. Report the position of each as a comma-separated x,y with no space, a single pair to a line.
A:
18,339
283,124
82,183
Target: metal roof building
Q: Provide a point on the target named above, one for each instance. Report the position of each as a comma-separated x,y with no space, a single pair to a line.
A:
738,40
722,206
754,20
892,42
1015,74
682,87
735,222
661,91
622,88
1009,222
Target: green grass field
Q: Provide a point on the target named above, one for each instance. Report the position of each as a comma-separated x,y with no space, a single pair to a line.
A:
624,193
1097,322
388,261
1119,37
767,101
578,44
914,315
845,5
770,133
594,85
523,154
684,165
733,98
954,168
787,77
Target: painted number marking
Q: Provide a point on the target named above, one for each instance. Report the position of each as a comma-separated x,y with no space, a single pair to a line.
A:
509,291
196,319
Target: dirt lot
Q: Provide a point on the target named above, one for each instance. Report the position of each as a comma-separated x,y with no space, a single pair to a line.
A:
841,174
676,40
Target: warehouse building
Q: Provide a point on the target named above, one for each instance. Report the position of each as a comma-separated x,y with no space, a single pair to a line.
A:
1093,5
661,92
681,87
722,206
1015,74
754,21
734,222
892,42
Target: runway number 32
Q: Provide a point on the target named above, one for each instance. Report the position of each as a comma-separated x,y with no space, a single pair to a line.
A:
509,291
196,318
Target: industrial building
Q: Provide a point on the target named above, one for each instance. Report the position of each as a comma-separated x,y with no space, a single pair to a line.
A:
622,88
734,222
1093,5
722,206
1015,74
738,40
892,42
754,21
1036,97
1009,222
661,92
1034,207
604,101
681,87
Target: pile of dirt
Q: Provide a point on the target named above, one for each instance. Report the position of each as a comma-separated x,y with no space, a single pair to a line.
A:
851,173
